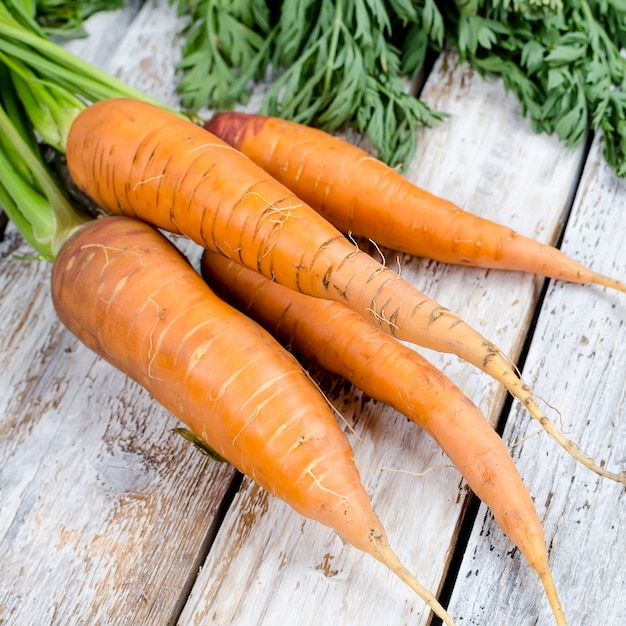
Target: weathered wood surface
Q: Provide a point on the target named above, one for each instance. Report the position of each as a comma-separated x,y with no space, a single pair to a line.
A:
107,517
577,359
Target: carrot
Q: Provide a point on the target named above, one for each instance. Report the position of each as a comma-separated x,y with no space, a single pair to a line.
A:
134,158
130,296
334,337
362,195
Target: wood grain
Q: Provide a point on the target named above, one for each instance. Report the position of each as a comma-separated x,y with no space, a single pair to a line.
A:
578,356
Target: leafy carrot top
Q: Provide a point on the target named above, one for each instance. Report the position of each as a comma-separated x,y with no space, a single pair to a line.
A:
339,63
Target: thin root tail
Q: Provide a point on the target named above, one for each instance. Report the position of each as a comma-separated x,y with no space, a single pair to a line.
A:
388,557
606,281
501,370
570,446
553,598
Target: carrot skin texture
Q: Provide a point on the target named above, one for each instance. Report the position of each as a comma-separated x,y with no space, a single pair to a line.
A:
127,293
339,340
360,194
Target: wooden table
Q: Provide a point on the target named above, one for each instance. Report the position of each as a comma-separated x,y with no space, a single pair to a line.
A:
108,517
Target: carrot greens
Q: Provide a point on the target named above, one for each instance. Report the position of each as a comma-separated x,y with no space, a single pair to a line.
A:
54,67
63,18
337,63
562,62
30,193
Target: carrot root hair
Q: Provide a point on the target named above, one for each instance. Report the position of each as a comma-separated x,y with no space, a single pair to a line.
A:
571,446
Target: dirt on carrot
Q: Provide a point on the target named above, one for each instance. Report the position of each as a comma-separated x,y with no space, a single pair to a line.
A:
360,194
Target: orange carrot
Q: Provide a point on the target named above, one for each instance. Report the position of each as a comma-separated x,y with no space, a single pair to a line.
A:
336,338
130,296
137,159
360,194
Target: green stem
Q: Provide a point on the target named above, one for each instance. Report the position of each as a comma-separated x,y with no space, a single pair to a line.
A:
62,67
44,88
35,203
334,42
25,10
51,110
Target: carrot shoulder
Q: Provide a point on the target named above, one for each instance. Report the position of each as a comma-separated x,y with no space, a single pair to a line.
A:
130,296
336,338
136,159
362,195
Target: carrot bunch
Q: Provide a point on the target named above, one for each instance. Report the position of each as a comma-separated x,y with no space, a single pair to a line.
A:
134,158
127,293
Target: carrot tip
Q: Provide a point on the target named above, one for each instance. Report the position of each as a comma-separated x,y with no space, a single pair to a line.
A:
606,281
383,552
570,446
500,370
553,598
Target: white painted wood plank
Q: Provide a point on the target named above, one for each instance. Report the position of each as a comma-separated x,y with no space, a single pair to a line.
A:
150,51
267,563
578,356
